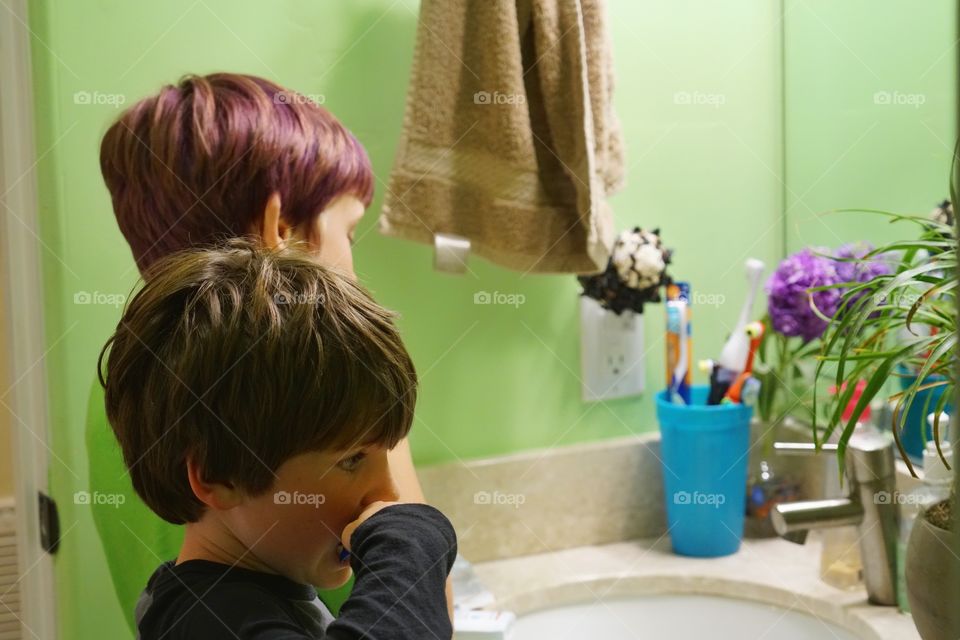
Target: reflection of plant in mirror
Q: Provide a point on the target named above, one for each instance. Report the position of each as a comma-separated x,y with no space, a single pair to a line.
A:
906,318
802,296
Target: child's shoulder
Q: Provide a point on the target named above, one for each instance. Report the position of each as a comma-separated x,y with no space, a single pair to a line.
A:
207,599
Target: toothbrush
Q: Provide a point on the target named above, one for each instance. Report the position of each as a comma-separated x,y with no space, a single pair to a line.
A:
754,331
680,384
679,354
751,392
733,356
720,380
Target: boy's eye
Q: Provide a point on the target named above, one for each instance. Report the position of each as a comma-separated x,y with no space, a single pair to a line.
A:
351,463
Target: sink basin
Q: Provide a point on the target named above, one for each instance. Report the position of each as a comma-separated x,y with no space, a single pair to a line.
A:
678,617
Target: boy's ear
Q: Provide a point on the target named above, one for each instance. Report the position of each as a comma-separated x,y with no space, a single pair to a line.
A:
272,228
220,497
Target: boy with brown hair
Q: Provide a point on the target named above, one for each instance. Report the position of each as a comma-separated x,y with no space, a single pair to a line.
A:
207,158
255,394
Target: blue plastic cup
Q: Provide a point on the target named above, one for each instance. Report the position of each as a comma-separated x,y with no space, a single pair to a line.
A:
915,432
704,450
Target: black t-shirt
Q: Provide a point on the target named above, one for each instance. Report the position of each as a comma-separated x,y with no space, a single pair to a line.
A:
401,557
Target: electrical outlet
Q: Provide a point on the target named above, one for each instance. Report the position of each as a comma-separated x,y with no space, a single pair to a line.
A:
611,352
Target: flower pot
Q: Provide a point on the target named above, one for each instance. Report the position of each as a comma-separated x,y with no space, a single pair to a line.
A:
932,571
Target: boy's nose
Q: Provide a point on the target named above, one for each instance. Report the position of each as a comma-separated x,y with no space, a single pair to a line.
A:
382,494
384,489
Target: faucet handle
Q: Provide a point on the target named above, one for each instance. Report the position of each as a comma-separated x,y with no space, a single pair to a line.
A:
802,448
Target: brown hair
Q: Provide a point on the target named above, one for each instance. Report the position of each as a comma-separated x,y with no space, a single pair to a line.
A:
196,162
239,358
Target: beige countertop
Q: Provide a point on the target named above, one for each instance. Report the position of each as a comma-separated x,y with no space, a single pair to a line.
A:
576,524
771,571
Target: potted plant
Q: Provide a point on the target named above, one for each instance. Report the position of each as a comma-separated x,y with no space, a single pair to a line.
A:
906,318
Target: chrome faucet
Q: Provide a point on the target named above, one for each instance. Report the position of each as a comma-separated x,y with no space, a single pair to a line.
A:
871,505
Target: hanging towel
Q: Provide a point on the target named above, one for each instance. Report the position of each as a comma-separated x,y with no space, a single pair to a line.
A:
509,135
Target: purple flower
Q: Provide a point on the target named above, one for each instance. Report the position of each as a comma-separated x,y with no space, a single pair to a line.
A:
789,298
853,268
861,270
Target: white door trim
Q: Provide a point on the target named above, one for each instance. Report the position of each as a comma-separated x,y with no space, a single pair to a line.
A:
21,282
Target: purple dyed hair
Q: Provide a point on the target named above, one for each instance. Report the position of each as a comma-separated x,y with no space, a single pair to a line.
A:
195,163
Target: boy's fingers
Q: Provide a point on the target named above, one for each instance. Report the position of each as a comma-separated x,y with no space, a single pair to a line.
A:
347,532
371,509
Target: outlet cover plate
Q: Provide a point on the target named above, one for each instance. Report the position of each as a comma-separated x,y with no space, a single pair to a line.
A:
611,352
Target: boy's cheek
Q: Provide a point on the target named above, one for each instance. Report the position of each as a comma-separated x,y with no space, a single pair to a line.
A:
308,528
278,519
314,541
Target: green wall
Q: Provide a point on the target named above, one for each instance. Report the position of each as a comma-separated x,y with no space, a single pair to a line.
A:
495,379
871,114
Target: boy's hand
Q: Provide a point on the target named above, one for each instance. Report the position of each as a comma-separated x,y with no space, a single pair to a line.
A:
371,509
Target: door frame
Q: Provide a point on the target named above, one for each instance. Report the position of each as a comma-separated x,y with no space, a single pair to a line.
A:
21,282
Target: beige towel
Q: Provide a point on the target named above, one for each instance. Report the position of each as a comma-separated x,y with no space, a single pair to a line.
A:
509,135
